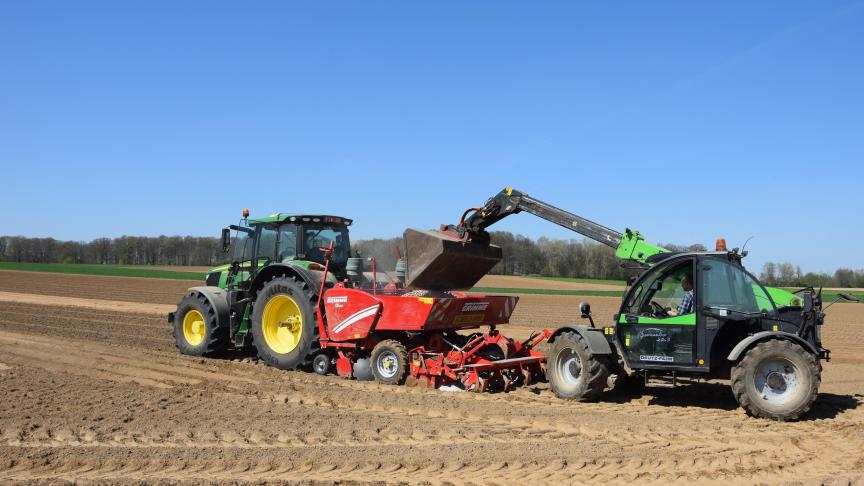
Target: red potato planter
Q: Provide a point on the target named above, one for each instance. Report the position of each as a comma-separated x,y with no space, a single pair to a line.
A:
404,336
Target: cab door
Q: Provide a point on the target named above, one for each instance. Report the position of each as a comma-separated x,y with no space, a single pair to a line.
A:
731,304
651,337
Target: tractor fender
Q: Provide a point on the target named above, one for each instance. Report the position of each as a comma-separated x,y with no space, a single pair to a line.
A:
745,344
311,277
218,299
597,343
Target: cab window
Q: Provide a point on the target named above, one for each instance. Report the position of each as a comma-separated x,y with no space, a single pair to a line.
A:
726,285
287,242
315,238
244,244
665,288
267,241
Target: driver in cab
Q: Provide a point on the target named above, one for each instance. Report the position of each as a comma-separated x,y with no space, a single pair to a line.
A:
686,306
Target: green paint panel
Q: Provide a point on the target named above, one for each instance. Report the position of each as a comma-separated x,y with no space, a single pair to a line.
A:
783,297
633,247
685,320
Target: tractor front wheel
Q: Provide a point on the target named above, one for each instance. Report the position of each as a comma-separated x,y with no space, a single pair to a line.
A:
196,328
573,372
390,362
284,329
776,379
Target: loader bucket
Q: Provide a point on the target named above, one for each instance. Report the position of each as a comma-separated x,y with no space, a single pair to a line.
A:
440,261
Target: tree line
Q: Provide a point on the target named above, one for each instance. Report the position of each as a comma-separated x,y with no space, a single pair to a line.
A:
125,250
786,274
522,256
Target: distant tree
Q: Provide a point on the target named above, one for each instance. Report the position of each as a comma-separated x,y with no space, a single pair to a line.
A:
844,277
769,273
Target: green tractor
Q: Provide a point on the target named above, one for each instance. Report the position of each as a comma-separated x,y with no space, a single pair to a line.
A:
686,314
278,265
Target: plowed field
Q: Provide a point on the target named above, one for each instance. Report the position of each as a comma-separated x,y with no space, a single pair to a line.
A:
96,394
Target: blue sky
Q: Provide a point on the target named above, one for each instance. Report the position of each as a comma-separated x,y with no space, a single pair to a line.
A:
687,121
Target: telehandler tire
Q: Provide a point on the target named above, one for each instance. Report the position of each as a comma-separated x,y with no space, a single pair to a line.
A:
573,372
196,328
390,362
776,379
284,329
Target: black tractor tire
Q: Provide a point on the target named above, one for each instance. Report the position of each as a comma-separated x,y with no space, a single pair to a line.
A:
573,372
776,379
203,336
273,347
389,362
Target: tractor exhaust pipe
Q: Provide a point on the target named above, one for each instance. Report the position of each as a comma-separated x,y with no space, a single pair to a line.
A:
441,260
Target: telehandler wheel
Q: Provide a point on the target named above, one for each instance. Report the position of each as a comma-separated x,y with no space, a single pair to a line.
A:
776,379
284,329
390,362
196,328
573,372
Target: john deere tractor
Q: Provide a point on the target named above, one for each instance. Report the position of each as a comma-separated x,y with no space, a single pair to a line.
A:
266,295
766,341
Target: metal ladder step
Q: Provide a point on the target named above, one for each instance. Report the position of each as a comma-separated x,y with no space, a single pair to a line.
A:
663,381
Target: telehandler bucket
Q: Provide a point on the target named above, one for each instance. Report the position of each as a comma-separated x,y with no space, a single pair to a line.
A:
441,261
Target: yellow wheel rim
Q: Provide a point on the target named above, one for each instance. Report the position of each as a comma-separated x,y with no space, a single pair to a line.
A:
194,328
282,324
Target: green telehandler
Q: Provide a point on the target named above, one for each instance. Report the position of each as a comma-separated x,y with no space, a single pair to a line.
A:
766,341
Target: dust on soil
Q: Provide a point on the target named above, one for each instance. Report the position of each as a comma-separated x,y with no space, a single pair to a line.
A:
104,397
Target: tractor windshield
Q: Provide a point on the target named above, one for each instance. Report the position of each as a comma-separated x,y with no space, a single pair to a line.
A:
244,244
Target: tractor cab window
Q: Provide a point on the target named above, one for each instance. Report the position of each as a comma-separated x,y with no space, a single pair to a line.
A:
244,244
664,291
287,243
316,237
728,286
267,241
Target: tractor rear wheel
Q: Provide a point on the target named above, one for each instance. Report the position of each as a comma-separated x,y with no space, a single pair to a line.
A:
776,379
573,372
196,328
390,362
284,329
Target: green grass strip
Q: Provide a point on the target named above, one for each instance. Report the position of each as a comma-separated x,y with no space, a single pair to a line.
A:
95,269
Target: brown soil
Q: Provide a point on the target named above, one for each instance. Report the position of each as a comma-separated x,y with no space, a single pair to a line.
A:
103,397
108,305
150,290
510,281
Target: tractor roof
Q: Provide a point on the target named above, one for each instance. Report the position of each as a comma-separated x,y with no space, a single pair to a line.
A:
659,257
305,218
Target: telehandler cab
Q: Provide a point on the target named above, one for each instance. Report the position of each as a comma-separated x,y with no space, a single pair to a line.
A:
767,341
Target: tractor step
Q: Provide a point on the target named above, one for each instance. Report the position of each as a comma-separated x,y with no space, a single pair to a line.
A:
661,381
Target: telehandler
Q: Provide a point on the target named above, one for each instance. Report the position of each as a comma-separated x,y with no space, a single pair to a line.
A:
766,341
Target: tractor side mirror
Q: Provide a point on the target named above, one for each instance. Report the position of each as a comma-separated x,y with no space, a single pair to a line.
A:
585,309
848,297
226,239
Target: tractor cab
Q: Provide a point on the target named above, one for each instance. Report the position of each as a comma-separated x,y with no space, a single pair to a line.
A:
281,239
690,310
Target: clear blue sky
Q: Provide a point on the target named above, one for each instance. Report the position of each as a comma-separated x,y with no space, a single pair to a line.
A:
687,121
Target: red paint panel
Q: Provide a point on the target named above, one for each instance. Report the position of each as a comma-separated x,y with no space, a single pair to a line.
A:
350,313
